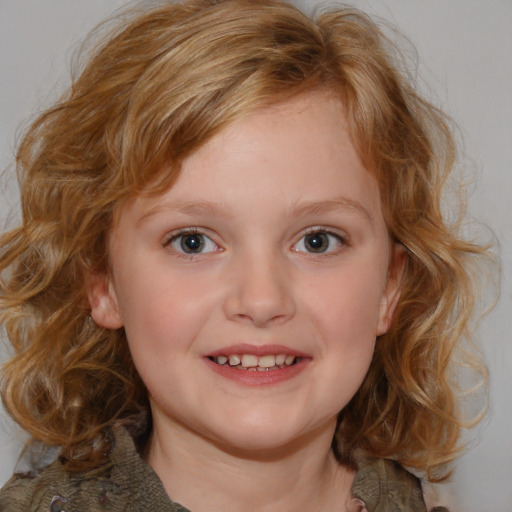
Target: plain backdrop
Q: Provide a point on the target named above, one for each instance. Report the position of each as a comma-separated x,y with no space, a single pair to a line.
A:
465,65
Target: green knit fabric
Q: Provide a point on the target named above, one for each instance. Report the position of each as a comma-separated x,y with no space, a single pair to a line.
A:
128,484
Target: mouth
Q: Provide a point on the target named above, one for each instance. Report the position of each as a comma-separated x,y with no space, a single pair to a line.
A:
256,363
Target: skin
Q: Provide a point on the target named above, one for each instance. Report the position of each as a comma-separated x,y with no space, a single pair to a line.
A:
255,193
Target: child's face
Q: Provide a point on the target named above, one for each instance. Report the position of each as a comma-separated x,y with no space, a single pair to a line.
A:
271,243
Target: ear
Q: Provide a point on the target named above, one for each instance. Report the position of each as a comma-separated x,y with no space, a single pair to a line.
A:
393,288
103,301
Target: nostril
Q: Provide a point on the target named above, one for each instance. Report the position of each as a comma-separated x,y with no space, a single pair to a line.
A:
259,294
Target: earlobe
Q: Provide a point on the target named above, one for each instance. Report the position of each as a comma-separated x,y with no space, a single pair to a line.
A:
103,301
393,288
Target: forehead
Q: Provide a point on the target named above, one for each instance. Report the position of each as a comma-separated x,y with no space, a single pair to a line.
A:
292,153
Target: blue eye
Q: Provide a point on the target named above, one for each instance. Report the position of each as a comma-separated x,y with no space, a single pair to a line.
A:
319,242
192,243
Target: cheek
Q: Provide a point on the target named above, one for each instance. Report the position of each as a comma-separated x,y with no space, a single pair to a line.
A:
347,305
162,313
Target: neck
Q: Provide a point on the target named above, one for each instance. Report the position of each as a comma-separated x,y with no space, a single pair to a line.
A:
202,475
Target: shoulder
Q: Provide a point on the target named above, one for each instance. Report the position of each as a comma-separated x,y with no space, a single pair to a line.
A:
384,485
16,493
34,491
126,483
53,489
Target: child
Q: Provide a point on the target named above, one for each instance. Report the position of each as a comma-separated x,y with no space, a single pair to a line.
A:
233,287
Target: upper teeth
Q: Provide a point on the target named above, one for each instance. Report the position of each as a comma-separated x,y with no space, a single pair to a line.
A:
253,361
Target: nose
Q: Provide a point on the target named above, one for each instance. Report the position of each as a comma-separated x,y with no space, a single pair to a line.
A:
260,291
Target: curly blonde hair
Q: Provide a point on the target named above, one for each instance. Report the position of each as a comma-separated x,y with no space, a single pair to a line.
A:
163,82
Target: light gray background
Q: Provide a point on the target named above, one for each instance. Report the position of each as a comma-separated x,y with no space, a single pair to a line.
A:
465,49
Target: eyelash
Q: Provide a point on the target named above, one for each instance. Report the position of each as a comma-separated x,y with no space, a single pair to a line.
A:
190,232
315,230
323,230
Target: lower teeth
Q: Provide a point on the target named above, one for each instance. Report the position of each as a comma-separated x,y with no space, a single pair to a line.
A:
255,368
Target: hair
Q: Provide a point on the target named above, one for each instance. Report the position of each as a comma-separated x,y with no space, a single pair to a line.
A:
164,81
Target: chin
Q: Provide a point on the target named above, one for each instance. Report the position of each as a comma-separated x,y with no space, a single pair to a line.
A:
260,448
265,439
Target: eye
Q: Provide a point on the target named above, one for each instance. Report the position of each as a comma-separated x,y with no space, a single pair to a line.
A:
192,243
319,242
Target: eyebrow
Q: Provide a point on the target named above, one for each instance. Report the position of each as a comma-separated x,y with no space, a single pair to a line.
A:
187,208
298,209
330,205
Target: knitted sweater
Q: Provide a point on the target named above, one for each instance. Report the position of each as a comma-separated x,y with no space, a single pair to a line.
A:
129,484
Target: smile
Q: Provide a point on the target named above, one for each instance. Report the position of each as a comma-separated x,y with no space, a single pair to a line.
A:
251,362
258,365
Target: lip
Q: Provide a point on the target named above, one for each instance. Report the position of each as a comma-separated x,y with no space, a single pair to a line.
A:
257,350
258,378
